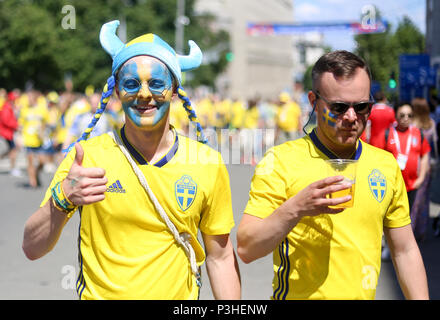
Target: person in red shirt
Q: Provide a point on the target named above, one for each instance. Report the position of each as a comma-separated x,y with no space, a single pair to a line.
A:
382,116
8,125
410,149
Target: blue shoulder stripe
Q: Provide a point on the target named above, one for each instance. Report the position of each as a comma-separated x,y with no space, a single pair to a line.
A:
283,272
80,281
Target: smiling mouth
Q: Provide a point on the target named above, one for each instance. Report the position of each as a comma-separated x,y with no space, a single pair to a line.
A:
145,108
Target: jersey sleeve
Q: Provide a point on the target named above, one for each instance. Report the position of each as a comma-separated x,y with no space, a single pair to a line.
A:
398,211
268,187
217,217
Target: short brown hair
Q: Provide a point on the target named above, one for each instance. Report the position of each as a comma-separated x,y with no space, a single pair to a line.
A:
340,63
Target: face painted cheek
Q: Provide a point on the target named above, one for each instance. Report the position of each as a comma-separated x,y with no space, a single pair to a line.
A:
131,113
329,118
161,112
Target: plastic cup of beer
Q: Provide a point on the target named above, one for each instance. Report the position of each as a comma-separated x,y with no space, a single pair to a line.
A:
346,168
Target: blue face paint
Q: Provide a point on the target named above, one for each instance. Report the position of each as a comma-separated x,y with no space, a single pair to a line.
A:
160,79
329,117
129,79
145,80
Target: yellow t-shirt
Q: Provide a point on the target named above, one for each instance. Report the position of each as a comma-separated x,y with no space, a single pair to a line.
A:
329,256
252,117
222,113
179,117
126,251
238,111
288,117
206,112
33,121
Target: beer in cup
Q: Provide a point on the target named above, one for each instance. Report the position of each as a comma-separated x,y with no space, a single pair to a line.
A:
346,168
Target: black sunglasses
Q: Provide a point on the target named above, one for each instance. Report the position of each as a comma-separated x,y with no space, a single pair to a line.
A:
340,107
403,115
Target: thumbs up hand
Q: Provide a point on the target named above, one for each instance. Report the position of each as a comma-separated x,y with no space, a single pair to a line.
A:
84,185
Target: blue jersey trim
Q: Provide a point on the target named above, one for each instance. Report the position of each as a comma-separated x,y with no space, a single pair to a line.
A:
318,144
283,272
80,281
141,160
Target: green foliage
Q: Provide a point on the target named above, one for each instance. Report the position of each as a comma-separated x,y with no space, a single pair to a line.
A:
27,42
35,47
382,51
307,79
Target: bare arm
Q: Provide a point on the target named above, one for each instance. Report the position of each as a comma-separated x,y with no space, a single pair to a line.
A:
258,237
408,262
42,230
424,167
222,267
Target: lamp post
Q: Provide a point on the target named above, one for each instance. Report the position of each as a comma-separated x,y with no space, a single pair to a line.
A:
180,23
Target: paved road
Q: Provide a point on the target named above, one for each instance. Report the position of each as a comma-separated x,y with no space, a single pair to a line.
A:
53,276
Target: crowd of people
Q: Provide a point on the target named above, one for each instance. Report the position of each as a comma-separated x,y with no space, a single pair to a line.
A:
42,125
289,208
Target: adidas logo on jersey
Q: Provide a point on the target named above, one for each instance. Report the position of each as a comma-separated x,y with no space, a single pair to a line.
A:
116,187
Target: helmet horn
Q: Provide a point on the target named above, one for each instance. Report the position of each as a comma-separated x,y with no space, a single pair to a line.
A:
191,61
108,38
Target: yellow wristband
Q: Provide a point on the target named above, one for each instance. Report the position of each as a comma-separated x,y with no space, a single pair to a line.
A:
60,201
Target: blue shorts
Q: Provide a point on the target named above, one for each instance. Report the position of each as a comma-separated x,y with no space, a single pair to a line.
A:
11,144
34,149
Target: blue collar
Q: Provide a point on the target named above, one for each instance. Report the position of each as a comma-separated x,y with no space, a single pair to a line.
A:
141,160
318,144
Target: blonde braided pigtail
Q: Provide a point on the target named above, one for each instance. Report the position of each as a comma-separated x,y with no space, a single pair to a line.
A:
191,115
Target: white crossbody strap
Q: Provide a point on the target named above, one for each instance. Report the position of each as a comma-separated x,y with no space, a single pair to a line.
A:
182,238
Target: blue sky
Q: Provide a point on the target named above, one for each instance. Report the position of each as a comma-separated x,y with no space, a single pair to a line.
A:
350,10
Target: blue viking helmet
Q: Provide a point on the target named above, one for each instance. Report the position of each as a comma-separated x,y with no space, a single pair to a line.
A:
151,45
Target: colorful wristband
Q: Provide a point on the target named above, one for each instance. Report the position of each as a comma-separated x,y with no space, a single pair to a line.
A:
60,201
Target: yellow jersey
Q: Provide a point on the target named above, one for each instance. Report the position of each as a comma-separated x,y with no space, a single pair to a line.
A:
33,120
126,251
238,111
179,117
252,117
329,256
288,117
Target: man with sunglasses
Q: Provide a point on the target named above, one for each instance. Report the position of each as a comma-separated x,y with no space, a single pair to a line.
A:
322,252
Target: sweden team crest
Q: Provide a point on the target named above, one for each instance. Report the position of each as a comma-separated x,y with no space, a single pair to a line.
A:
185,190
378,184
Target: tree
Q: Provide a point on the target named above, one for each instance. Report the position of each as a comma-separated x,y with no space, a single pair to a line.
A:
378,50
408,38
382,51
28,41
34,45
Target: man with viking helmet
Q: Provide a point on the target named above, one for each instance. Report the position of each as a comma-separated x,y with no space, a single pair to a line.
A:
142,192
